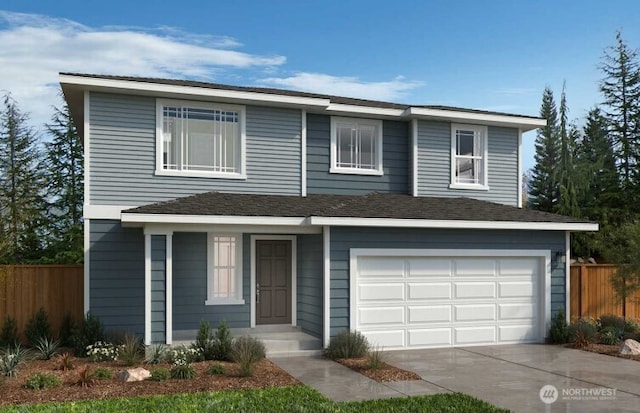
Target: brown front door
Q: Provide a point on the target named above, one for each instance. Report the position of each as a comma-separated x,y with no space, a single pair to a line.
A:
273,282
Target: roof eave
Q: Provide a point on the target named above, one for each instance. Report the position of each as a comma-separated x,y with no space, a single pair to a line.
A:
523,123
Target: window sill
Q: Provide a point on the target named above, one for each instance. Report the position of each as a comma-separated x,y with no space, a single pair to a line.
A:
200,174
224,301
354,171
476,187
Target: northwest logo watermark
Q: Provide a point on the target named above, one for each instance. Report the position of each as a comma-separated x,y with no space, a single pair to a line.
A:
550,394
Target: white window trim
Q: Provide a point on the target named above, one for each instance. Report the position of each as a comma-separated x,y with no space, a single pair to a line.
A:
241,174
334,151
485,171
211,300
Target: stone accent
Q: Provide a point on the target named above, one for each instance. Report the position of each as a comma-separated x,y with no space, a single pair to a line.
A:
630,347
131,375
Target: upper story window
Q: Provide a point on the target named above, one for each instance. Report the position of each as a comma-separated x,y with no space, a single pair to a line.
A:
468,157
200,139
356,146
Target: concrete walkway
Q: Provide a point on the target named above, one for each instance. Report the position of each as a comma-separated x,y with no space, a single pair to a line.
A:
510,376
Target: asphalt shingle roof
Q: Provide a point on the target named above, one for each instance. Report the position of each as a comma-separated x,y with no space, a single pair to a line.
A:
373,205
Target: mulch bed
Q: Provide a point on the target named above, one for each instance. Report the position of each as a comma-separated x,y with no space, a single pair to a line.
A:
608,350
13,391
386,373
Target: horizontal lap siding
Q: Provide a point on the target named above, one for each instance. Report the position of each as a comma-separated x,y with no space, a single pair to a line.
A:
123,154
395,161
117,275
190,285
343,239
309,283
434,163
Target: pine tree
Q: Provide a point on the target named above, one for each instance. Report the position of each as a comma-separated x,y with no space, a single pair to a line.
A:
65,186
544,185
21,188
567,196
621,90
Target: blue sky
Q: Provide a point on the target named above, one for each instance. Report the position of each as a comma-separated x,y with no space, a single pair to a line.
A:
494,55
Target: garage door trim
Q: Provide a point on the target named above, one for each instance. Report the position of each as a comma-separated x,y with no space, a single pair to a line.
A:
544,255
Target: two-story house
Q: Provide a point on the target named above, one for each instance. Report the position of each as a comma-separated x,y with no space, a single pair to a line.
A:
272,207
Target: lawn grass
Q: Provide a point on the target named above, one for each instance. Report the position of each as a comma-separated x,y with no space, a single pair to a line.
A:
284,399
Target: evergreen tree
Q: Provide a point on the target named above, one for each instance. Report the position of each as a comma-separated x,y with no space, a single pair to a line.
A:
544,185
21,188
567,195
65,186
621,90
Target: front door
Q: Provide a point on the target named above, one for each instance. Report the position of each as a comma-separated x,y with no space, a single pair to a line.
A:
273,282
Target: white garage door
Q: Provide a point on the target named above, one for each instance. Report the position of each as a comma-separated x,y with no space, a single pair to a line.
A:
420,302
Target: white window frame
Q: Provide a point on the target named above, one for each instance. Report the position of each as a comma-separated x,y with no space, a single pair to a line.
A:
377,124
482,131
211,299
160,170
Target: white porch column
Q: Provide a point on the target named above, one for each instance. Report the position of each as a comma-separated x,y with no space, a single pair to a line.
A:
169,288
147,289
326,249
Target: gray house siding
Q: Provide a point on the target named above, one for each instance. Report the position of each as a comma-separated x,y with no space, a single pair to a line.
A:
345,238
123,154
190,285
395,161
434,163
117,275
309,283
158,288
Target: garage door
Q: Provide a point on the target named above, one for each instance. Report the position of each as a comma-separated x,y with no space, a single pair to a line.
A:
421,302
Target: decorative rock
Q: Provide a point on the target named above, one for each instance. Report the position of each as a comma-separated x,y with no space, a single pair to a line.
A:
592,260
131,375
630,347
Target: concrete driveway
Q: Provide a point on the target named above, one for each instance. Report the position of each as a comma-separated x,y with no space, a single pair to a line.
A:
512,376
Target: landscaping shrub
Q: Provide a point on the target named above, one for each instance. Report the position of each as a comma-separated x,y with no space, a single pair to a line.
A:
131,351
247,351
66,330
631,327
583,332
559,330
86,378
42,381
183,371
102,351
9,334
205,342
88,332
614,321
376,358
610,335
116,337
46,347
38,326
11,359
224,341
102,373
160,374
183,355
347,344
156,354
65,362
216,369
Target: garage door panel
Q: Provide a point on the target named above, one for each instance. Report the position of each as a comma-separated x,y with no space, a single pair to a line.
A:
386,339
381,291
429,291
430,267
516,289
429,314
518,267
517,311
465,290
518,333
381,315
381,267
474,335
474,267
478,312
429,337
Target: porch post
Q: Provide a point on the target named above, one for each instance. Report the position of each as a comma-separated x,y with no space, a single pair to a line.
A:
326,250
169,289
147,289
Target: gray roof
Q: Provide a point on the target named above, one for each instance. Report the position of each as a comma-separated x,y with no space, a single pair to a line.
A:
283,92
373,205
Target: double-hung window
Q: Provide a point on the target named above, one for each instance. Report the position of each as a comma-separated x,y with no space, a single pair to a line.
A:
356,146
200,139
468,157
224,269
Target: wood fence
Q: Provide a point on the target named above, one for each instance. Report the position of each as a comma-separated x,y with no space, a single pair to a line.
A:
59,289
592,294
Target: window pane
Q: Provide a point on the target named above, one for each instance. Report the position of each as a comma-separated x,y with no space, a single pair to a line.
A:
224,267
465,143
465,170
171,136
367,147
346,146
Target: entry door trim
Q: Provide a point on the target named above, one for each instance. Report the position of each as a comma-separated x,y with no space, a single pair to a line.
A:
293,239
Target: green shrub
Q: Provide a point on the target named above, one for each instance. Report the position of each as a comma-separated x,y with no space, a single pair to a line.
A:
46,347
247,351
183,371
583,332
376,358
610,335
205,342
615,321
631,327
183,355
66,330
347,344
216,369
11,359
86,378
102,373
131,351
559,330
87,333
224,342
156,354
37,326
9,334
42,381
160,374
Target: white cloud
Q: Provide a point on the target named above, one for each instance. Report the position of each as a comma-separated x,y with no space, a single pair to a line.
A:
35,48
392,90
